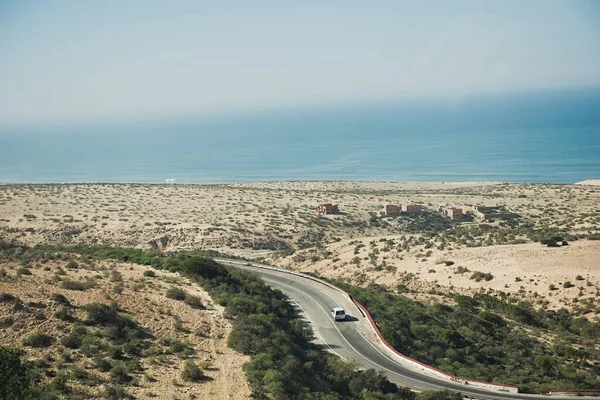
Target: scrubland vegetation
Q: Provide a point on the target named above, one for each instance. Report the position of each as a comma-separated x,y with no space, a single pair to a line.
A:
284,363
84,339
501,340
276,221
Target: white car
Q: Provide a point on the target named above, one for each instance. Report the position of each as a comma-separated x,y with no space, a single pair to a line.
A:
338,314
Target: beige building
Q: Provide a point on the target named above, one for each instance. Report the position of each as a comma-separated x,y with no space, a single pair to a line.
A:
454,213
392,210
327,208
412,208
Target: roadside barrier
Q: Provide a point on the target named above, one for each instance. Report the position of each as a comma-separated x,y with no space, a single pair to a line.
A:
432,370
574,393
365,313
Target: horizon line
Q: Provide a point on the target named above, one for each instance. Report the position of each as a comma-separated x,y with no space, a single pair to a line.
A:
282,107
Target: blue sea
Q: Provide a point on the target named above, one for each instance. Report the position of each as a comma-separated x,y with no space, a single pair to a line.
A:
527,137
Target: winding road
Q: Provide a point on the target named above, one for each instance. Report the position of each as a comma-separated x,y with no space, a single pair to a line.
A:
355,339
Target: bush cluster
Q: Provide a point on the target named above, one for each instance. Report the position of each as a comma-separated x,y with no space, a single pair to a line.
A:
37,339
176,293
486,338
191,371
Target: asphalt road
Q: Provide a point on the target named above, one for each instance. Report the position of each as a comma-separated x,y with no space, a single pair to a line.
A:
354,339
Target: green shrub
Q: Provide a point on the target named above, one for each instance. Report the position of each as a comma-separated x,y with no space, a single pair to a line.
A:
115,392
104,315
118,374
149,273
89,346
59,384
179,347
487,342
59,298
102,364
72,340
118,288
100,314
193,301
115,352
203,267
79,374
176,293
191,372
74,285
15,378
64,314
116,276
461,270
433,395
38,340
133,366
568,284
6,322
7,298
478,276
553,241
23,271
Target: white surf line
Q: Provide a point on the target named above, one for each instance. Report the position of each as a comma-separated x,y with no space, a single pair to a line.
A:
340,333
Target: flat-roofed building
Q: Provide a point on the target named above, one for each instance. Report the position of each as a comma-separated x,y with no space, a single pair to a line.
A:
327,208
412,208
392,210
454,213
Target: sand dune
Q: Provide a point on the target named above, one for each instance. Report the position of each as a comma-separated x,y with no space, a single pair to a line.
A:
589,182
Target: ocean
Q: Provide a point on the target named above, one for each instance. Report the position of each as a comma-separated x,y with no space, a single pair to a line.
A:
549,137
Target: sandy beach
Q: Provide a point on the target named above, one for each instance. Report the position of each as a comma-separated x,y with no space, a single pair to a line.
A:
589,182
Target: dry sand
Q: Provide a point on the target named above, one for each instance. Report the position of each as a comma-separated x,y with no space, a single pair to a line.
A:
276,221
589,182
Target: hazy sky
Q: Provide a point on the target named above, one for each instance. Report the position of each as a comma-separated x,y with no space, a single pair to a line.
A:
77,60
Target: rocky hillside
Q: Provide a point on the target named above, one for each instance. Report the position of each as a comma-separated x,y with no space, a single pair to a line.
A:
99,329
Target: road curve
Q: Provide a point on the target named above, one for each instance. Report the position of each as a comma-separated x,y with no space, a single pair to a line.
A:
355,340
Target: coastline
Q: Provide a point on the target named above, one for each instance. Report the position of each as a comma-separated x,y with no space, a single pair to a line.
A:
277,183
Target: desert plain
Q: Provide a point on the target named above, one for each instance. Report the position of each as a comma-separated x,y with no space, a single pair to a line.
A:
276,222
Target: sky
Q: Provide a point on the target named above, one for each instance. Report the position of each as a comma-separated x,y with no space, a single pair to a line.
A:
69,61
